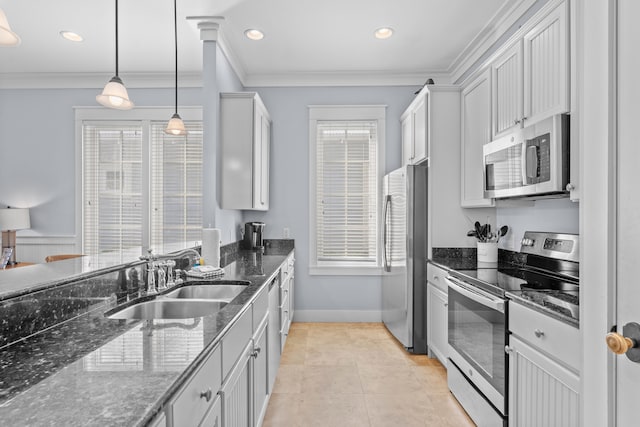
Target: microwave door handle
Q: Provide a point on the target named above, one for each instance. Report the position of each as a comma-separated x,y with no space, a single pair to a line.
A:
532,162
495,304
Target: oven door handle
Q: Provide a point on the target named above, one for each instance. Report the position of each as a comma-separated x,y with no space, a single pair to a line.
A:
476,295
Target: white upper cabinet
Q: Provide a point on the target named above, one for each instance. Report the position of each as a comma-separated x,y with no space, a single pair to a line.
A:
531,78
507,90
414,130
546,67
245,129
476,131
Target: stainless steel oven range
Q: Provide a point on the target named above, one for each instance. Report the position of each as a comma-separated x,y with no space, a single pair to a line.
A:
478,318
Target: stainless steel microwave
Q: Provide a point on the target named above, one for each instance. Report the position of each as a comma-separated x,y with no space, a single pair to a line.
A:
533,161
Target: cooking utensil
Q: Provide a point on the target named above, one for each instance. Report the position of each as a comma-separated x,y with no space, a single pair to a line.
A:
502,231
479,230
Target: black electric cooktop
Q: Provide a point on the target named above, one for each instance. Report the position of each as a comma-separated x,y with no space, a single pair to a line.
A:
556,290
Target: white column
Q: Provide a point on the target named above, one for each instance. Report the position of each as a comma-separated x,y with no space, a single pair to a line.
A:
209,27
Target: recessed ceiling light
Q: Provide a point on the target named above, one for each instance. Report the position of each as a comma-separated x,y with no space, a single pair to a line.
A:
384,33
254,34
71,36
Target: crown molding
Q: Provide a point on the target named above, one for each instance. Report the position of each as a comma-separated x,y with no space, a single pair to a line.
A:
96,80
504,18
350,78
234,60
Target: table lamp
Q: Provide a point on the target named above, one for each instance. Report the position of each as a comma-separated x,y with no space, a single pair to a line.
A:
12,219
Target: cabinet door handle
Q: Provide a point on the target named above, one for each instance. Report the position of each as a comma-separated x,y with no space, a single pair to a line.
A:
538,333
256,352
206,395
508,349
515,122
446,304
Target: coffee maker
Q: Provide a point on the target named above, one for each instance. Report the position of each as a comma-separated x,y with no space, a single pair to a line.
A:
253,236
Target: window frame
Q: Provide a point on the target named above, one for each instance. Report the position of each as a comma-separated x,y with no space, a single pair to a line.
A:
142,114
344,113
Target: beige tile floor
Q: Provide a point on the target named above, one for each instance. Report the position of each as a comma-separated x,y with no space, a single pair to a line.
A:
357,374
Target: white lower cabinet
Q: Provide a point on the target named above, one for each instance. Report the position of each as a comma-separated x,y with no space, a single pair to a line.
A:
260,362
192,403
437,323
287,275
273,329
544,379
214,416
232,386
437,313
236,392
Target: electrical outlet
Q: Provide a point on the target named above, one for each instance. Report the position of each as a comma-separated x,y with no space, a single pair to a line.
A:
285,232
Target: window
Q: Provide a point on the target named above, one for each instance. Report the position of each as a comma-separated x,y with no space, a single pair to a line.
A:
346,167
140,186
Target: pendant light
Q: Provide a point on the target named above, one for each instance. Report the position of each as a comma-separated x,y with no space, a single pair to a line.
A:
175,125
7,37
114,94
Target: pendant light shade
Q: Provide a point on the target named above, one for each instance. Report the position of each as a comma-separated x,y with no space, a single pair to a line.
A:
7,37
114,94
175,125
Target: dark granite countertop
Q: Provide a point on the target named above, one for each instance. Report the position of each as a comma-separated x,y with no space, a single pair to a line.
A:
91,370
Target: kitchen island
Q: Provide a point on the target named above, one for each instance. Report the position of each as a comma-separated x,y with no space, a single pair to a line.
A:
86,369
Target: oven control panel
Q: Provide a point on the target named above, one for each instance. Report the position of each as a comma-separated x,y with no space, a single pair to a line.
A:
553,245
559,245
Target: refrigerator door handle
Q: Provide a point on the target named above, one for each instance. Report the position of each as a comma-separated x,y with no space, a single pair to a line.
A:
385,213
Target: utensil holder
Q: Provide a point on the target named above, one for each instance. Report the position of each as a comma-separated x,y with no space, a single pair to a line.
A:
487,251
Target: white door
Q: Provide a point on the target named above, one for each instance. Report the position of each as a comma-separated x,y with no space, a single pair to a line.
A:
628,209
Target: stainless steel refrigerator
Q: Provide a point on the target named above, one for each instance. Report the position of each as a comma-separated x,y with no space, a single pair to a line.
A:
404,236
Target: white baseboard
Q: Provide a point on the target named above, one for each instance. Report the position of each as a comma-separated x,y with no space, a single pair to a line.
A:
337,316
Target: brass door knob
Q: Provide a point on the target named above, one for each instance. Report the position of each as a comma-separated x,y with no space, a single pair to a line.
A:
619,344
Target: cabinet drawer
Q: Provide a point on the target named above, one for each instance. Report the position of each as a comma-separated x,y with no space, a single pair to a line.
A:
199,393
557,339
436,275
284,291
235,341
260,307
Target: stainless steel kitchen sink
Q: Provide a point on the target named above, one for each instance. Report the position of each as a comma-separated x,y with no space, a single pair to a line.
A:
207,292
169,309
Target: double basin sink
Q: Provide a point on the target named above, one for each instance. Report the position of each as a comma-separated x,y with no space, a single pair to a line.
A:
191,300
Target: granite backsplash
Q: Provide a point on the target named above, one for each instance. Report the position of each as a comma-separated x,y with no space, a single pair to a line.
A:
467,256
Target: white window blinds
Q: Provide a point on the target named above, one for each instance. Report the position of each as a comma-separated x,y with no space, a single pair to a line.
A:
176,185
122,207
346,191
112,187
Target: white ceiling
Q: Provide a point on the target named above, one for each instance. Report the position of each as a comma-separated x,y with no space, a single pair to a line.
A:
326,39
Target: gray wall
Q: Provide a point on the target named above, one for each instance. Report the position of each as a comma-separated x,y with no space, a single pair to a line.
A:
37,148
553,215
289,185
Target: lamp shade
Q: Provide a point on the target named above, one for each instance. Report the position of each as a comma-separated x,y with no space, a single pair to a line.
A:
14,219
7,37
175,126
114,95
